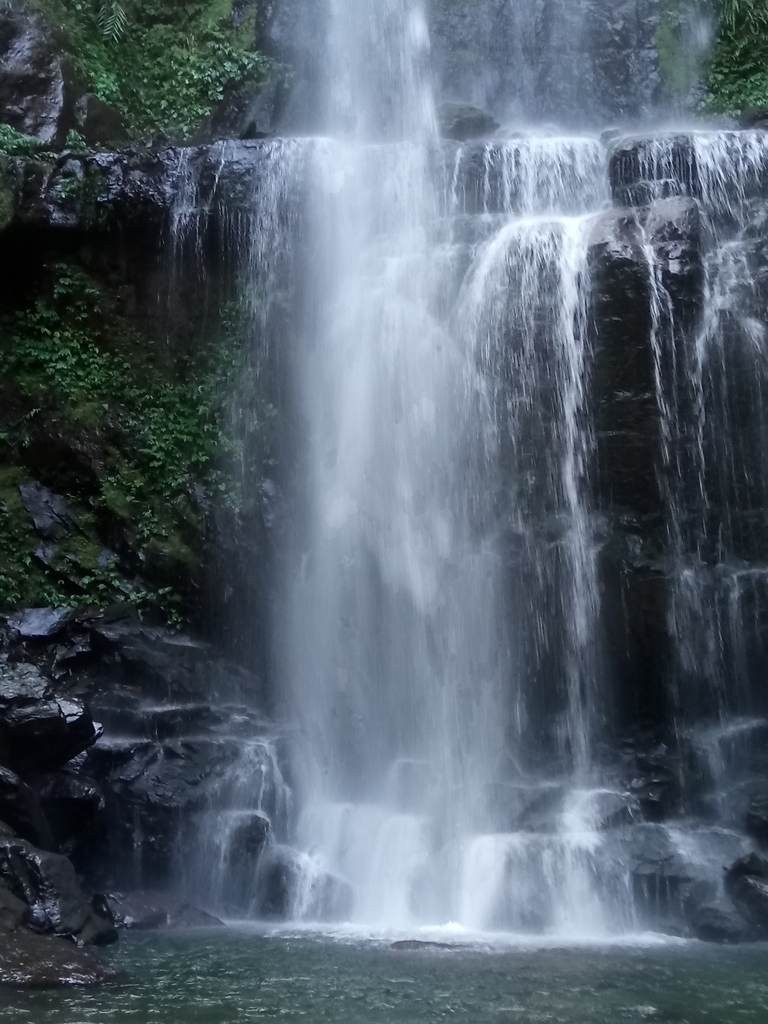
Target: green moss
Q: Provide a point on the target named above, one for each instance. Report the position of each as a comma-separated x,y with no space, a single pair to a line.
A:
172,63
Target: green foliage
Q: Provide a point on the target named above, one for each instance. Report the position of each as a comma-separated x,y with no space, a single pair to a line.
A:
164,65
738,70
75,142
71,362
17,144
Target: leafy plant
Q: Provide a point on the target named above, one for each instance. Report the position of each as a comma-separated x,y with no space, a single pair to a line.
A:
738,69
75,142
18,144
749,14
70,362
112,20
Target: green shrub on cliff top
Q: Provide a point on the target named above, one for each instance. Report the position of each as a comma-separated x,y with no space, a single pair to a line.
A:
164,64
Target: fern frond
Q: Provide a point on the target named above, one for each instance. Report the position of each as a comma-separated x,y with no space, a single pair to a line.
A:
113,20
751,13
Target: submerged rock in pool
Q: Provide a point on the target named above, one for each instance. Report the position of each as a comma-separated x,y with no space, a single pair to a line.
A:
31,961
403,945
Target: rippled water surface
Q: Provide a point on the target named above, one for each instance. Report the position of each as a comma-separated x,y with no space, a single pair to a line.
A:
238,976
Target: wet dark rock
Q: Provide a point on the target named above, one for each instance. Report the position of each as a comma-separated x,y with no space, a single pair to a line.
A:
151,911
40,623
718,922
13,911
746,882
152,790
674,229
47,733
626,413
72,804
283,879
49,513
22,684
37,962
462,121
98,122
47,884
169,666
38,86
643,170
656,787
21,809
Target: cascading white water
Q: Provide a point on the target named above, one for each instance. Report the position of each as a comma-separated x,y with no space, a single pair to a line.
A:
392,620
409,679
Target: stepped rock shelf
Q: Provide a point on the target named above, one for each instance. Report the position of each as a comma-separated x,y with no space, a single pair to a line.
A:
652,249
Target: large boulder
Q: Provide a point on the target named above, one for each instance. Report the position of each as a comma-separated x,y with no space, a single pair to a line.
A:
39,729
46,734
47,884
38,85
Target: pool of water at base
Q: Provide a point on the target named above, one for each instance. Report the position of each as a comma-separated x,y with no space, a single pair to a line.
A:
236,976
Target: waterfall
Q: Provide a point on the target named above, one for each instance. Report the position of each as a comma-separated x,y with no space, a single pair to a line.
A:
391,643
441,360
518,635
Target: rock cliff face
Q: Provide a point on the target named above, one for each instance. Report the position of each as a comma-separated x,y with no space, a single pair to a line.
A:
183,730
523,61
